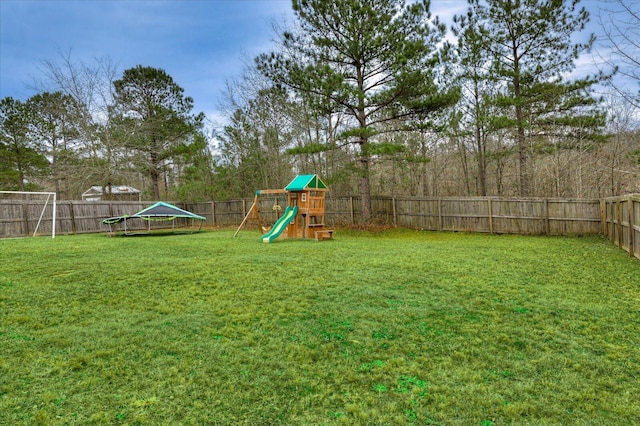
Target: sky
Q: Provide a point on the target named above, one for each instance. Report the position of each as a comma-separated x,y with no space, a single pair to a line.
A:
201,44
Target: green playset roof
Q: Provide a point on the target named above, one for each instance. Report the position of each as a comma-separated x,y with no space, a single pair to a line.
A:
305,182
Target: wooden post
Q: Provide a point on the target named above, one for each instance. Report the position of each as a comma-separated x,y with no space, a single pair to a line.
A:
395,213
439,214
73,218
351,210
255,207
619,217
630,212
603,217
490,215
25,216
546,217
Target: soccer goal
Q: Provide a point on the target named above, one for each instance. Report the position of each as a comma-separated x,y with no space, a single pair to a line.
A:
27,213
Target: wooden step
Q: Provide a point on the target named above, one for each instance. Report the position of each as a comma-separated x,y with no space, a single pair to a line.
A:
325,234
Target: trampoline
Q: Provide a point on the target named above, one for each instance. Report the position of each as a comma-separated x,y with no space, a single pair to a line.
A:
159,212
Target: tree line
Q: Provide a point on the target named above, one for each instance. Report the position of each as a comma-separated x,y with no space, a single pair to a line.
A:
140,128
378,97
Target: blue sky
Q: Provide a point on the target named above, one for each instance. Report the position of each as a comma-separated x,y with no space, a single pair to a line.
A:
200,43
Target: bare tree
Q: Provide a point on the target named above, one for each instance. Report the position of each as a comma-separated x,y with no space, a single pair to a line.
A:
90,85
54,127
616,159
620,21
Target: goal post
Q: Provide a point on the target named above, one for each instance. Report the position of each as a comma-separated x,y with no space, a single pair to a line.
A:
31,197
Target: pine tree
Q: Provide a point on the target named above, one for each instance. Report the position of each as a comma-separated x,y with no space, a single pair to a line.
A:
530,42
158,115
476,84
371,60
21,159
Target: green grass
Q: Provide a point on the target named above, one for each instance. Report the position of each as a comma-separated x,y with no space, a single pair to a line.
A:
396,327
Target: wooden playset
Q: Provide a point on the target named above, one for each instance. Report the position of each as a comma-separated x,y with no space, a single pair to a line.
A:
304,215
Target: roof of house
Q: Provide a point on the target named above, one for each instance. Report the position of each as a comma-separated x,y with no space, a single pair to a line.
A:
115,190
305,182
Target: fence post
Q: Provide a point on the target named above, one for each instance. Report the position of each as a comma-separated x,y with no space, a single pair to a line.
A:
213,212
395,214
439,214
490,215
546,217
25,216
73,218
351,210
603,217
630,212
619,217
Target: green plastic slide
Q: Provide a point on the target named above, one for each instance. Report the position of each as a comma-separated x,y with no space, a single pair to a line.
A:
278,227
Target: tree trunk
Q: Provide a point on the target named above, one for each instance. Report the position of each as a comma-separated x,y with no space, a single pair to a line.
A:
481,144
523,156
482,162
425,168
462,149
365,158
54,172
155,176
522,148
365,184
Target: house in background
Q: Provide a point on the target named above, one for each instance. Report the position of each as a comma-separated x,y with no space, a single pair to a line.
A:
116,193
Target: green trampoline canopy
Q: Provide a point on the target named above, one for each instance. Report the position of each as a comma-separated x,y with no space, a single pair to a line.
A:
159,211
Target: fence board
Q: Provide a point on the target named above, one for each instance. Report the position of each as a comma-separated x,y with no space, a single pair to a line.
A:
11,219
339,211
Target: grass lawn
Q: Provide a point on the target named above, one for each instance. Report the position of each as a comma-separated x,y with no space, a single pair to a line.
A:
387,328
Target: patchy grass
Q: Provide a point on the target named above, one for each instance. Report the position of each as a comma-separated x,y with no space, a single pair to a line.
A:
395,327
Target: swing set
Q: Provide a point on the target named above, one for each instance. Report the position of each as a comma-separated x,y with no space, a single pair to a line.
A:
303,216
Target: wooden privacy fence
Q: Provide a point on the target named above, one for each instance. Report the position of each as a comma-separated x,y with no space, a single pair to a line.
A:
621,222
481,214
468,214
